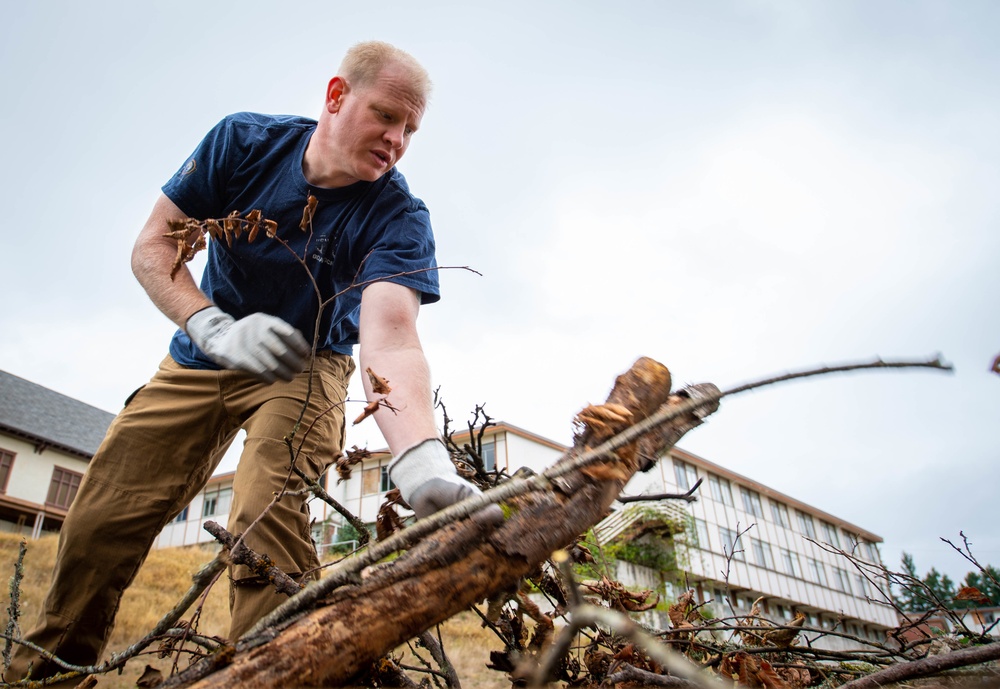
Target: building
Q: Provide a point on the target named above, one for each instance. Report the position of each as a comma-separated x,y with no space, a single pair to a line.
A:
742,540
46,441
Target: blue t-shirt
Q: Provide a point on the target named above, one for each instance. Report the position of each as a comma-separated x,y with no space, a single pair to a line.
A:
361,232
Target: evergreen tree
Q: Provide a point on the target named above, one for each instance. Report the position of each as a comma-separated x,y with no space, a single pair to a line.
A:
939,590
987,583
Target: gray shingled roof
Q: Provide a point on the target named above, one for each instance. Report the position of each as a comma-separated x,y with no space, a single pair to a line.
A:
39,414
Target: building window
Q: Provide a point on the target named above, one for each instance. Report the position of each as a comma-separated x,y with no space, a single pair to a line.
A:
63,488
780,514
817,571
840,581
370,480
806,525
762,553
830,534
685,474
182,517
701,530
790,561
217,501
721,491
862,586
731,543
385,483
488,454
869,551
6,462
751,502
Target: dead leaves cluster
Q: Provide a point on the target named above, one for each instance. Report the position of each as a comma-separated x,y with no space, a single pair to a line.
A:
191,235
388,520
353,456
770,634
619,598
684,613
756,673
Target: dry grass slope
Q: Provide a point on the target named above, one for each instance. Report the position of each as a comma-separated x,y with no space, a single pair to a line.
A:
165,577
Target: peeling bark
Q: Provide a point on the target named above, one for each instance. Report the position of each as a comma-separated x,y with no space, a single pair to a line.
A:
462,563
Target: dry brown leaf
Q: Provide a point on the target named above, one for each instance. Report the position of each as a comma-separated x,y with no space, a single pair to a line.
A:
388,520
680,611
768,678
380,386
308,212
973,594
151,677
369,409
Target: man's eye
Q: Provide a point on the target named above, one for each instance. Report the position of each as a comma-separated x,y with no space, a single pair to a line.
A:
409,132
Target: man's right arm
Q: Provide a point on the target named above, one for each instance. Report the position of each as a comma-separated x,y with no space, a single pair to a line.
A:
152,257
262,345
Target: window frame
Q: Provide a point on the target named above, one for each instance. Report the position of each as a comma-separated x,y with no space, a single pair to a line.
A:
780,513
72,486
762,553
721,490
685,475
6,467
806,524
751,502
790,562
829,533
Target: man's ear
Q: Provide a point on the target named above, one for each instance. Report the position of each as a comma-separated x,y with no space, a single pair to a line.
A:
335,91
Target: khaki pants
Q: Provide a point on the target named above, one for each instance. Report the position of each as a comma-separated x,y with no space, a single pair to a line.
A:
157,456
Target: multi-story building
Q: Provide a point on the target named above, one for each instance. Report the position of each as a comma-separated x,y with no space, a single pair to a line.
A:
46,441
742,540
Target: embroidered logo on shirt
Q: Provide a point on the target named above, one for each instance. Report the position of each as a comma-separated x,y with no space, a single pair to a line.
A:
324,250
189,167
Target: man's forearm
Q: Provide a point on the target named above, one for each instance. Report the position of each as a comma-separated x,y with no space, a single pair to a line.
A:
152,257
407,373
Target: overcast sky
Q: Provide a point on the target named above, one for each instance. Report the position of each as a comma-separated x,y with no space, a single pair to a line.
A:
735,189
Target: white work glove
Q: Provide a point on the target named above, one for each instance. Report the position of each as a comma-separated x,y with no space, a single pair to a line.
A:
264,346
428,481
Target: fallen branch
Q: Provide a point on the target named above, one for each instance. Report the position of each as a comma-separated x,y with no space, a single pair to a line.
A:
261,565
926,667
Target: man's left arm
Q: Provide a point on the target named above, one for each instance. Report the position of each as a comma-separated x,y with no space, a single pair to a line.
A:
390,347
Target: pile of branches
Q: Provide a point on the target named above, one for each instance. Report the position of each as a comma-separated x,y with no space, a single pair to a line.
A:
411,579
601,642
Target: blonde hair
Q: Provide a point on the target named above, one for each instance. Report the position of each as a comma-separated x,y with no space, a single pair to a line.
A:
365,61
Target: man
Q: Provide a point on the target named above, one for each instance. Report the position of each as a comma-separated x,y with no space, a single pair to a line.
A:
241,356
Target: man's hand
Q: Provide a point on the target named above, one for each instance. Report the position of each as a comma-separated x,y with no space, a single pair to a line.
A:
428,481
264,346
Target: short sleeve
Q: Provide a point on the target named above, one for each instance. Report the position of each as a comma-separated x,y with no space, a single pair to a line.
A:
404,254
198,187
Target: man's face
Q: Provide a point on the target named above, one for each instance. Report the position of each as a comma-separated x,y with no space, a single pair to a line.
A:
372,124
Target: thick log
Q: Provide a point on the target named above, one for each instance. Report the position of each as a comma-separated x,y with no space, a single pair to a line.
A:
459,565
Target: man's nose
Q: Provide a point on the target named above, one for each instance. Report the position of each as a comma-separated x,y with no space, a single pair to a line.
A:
394,136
